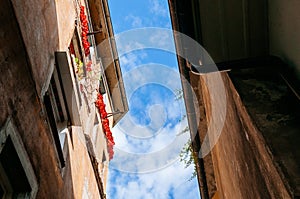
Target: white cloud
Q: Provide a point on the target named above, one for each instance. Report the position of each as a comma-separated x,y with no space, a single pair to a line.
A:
163,39
143,38
168,176
162,109
132,60
157,8
136,22
170,180
144,154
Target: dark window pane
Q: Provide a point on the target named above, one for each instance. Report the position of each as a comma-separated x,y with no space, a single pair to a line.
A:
13,168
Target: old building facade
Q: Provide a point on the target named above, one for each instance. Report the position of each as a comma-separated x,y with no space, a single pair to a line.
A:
57,59
253,101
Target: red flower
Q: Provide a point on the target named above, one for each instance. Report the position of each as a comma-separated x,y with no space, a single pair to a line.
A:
84,30
105,124
71,47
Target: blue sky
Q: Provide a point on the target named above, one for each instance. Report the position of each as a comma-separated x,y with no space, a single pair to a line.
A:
146,162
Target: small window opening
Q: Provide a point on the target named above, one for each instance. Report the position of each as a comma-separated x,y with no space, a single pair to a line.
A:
13,176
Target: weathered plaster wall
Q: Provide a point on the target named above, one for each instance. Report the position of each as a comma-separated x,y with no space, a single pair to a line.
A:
100,146
284,30
66,15
243,166
19,100
38,23
275,110
82,173
45,29
27,45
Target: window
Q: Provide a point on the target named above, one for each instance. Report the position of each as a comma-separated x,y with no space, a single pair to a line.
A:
57,114
56,96
66,85
102,88
17,179
103,157
62,102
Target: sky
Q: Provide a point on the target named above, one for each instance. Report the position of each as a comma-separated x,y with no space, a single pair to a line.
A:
148,139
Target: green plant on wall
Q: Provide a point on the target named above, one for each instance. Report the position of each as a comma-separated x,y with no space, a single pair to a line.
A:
187,156
79,69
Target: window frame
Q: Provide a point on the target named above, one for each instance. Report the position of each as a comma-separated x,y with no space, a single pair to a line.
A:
9,131
54,98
